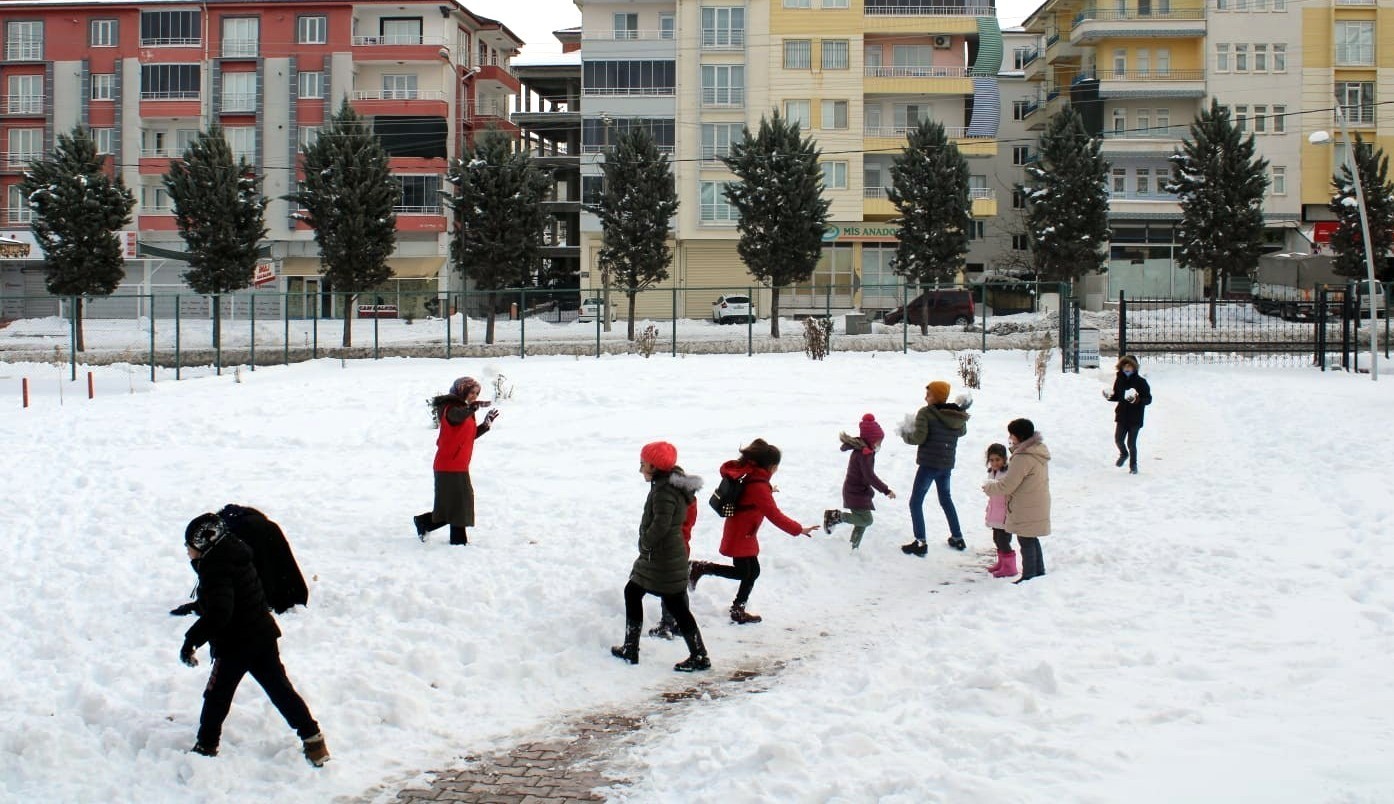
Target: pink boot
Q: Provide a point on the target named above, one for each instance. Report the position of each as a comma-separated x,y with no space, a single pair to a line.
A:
996,565
1007,568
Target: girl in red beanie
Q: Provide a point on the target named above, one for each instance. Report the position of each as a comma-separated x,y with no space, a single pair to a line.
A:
861,483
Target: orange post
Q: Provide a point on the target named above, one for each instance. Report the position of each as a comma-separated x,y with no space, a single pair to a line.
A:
90,391
24,390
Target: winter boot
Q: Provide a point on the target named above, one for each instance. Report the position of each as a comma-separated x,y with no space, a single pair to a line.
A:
1122,459
740,616
697,655
423,525
915,548
695,573
458,535
831,517
629,651
1006,565
667,627
316,752
996,565
957,543
204,750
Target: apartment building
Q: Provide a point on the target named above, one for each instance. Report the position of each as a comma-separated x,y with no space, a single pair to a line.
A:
147,77
856,75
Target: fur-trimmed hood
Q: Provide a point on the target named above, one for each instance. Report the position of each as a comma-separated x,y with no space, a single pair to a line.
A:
689,485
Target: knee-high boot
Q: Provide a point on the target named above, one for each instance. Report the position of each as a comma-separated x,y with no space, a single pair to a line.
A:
629,651
697,654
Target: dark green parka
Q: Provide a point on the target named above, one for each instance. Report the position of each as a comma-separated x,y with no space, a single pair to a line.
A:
662,563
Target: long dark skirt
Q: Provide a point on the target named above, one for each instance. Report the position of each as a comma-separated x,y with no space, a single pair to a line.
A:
454,499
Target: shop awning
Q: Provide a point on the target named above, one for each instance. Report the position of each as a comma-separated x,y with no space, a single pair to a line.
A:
402,267
147,250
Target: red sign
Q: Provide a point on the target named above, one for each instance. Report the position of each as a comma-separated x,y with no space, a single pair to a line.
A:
1322,231
264,273
377,311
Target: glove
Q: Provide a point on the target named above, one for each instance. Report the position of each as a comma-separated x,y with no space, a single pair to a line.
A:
184,610
491,415
186,655
1105,392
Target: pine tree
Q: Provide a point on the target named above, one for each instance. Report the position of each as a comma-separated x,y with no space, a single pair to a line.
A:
636,211
220,212
929,187
1347,241
779,200
1067,201
78,207
1220,182
348,197
498,217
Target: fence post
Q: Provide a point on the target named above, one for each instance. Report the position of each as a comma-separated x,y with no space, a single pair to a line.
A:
446,305
152,337
602,310
1074,329
905,318
73,314
522,322
178,339
218,346
252,316
285,322
750,324
1122,324
314,327
674,353
984,286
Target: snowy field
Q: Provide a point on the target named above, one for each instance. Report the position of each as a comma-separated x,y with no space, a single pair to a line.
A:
1217,628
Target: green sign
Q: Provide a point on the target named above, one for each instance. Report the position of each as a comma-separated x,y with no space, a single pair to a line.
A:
860,231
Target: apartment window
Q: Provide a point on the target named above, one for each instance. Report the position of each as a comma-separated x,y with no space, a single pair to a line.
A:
240,35
243,142
25,145
155,199
1144,121
1260,58
1357,100
909,115
717,139
24,41
835,54
239,92
105,138
1260,5
1260,119
723,84
1278,180
723,26
1221,58
1018,198
1241,118
834,175
1222,5
1280,121
626,26
1120,63
667,26
420,194
798,4
103,86
312,30
307,136
1280,58
912,59
599,134
179,28
102,33
399,87
714,206
1120,181
312,84
592,189
1280,5
799,112
1021,242
1144,181
1120,121
26,95
1355,43
636,77
834,114
169,81
977,230
873,56
1164,122
400,30
19,211
1021,154
1241,58
1020,108
1144,61
798,54
1163,61
834,3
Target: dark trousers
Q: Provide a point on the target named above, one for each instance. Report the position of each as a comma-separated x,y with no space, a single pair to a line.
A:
674,603
745,570
268,671
457,532
1032,564
1125,436
926,476
1002,539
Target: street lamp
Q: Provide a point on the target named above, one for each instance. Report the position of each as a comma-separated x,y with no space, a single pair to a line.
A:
1322,138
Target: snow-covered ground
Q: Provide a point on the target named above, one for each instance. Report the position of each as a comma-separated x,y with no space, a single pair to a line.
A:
1217,628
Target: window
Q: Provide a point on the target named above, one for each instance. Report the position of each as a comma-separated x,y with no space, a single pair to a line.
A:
835,54
1241,118
312,84
24,41
834,114
912,59
1163,61
1018,198
834,3
240,36
312,30
25,145
798,54
799,112
871,117
1222,5
1144,181
1280,5
1021,242
1260,58
1164,122
1120,181
1357,101
169,81
714,206
592,188
873,55
154,199
1241,58
180,28
635,77
243,142
1120,63
1144,61
977,230
400,30
1280,58
420,194
239,92
26,95
1144,121
871,181
1280,121
1221,58
909,115
798,4
1355,43
1020,109
834,175
626,26
399,87
1260,119
102,33
19,211
307,136
1120,121
723,85
723,27
1278,180
105,138
103,86
1021,154
717,139
598,134
667,26
1260,5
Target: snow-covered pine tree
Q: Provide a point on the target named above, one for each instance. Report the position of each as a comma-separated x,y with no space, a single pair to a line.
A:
498,217
1347,241
636,211
1220,182
780,203
1067,201
929,187
220,213
78,208
348,197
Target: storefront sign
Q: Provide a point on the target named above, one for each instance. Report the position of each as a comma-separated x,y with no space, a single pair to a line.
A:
861,232
264,273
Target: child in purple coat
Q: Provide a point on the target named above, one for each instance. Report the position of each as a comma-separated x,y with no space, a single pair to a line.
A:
861,483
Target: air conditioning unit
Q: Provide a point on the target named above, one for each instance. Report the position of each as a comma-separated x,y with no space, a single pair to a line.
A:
943,42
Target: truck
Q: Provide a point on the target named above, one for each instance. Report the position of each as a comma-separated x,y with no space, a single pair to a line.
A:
1288,286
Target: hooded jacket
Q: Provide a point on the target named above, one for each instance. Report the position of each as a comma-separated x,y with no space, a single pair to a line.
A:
458,430
662,563
936,432
1027,488
738,534
861,475
1127,413
233,614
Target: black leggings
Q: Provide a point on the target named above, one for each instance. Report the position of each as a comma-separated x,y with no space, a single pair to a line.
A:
268,671
1032,562
1125,437
1002,539
674,602
745,569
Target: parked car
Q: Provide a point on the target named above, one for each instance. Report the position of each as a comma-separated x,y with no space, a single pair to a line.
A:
732,310
590,310
946,307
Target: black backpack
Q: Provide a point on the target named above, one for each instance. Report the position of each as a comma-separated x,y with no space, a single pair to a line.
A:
275,563
727,496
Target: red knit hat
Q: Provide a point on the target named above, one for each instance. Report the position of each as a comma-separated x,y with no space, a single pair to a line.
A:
660,454
870,431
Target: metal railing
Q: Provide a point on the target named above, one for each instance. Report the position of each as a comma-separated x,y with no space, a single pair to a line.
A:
390,40
239,48
952,132
1135,15
966,9
635,91
1149,133
646,35
421,210
398,94
24,104
918,71
171,94
240,102
728,98
21,161
723,39
1151,75
24,51
171,41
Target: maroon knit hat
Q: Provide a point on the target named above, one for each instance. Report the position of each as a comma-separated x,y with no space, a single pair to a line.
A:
660,454
870,431
463,386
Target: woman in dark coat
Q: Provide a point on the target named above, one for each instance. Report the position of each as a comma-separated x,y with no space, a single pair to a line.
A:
661,568
454,502
1133,395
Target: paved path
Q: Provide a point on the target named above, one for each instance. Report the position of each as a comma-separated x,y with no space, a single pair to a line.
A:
574,768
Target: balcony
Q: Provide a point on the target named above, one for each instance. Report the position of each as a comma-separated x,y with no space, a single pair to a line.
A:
239,103
1154,141
24,50
733,98
1357,115
15,162
1093,24
983,201
504,81
398,47
15,215
667,35
941,19
171,41
24,105
239,48
889,138
1128,204
718,39
1150,83
422,102
420,219
490,114
876,204
927,80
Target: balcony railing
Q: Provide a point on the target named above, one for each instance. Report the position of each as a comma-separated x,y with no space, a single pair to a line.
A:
399,94
24,104
925,71
1133,14
169,152
24,51
628,36
713,155
875,192
1152,75
980,193
631,91
732,98
600,149
1147,133
927,10
397,40
1133,195
240,102
1052,37
1025,57
239,48
21,160
1356,2
897,132
426,210
1359,115
723,39
1355,55
171,94
19,215
165,209
487,109
171,41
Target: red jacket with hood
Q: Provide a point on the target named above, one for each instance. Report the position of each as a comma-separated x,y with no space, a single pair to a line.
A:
738,535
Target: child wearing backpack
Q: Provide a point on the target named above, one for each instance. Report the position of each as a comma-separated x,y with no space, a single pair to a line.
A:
753,469
861,482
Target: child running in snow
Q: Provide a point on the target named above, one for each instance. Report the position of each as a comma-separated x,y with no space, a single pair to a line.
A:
996,517
861,482
667,627
754,468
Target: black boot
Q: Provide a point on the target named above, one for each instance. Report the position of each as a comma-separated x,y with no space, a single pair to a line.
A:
740,616
458,535
667,627
629,651
915,548
957,543
423,525
695,573
832,516
697,654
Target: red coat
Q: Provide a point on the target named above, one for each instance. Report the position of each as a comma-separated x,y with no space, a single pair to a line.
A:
687,523
455,442
738,535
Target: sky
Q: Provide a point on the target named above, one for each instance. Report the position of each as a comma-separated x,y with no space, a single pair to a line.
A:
534,20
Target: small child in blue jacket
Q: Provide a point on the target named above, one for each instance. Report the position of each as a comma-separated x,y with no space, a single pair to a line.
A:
861,483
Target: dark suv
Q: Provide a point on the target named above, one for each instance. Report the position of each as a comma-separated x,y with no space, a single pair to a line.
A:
945,307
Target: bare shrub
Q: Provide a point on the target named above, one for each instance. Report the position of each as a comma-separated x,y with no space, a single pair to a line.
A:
646,341
1042,363
970,369
817,332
